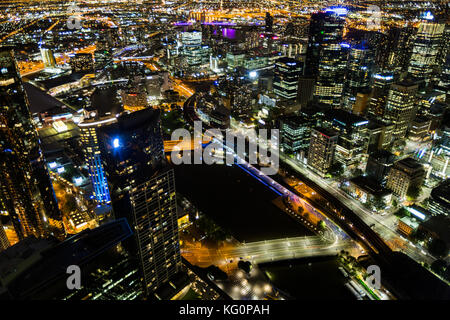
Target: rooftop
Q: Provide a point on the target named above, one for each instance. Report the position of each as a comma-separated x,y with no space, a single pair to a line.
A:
40,101
370,185
441,194
34,263
410,222
346,118
440,225
409,163
327,132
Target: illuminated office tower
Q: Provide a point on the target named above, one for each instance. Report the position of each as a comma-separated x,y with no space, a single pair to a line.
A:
48,58
381,84
295,134
285,81
324,28
401,107
191,47
358,73
26,192
92,156
353,142
321,151
326,58
439,200
394,51
426,48
329,84
143,191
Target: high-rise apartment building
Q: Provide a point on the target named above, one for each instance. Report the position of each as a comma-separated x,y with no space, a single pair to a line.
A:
401,107
426,48
321,150
92,154
143,190
27,197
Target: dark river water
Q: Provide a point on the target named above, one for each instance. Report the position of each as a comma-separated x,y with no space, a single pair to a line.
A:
236,201
241,204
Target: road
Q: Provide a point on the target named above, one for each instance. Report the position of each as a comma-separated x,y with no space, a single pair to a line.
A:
266,251
278,188
381,226
389,234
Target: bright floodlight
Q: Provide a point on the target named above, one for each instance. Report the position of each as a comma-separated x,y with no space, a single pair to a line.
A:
116,143
253,74
428,15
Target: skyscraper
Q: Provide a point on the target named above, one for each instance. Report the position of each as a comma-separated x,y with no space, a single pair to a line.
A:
295,134
143,190
401,107
326,57
26,192
321,150
35,269
285,82
353,142
191,47
324,28
394,51
92,155
102,57
426,48
358,73
381,85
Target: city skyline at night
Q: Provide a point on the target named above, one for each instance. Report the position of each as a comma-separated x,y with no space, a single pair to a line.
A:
224,150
